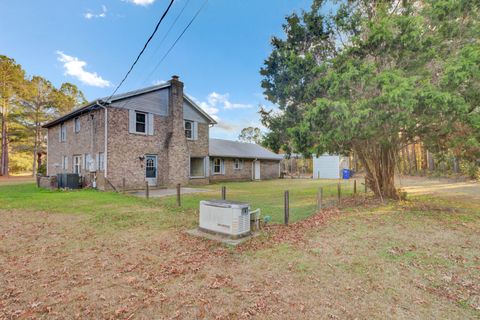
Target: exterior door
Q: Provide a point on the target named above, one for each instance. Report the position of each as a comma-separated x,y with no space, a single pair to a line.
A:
257,170
151,169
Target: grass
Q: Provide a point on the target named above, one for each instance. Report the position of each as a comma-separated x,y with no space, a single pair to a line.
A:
411,260
269,196
105,210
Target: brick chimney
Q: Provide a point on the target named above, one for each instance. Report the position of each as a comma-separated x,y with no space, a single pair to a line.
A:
178,155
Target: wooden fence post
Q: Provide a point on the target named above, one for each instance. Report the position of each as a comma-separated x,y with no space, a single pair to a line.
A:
123,185
147,190
224,193
319,199
355,187
179,203
365,184
339,191
286,204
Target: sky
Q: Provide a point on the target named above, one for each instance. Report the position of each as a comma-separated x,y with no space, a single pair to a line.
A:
93,43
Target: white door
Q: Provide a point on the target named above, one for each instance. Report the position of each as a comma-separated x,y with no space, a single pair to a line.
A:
257,170
151,170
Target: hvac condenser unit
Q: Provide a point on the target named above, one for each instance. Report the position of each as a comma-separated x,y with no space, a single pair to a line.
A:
225,217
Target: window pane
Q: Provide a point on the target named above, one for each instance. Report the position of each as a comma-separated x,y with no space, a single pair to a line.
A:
197,168
141,117
140,127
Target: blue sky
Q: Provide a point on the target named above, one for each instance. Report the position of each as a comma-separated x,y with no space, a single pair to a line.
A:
92,44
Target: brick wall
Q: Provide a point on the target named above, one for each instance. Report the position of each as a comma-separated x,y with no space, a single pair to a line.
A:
232,174
89,140
126,151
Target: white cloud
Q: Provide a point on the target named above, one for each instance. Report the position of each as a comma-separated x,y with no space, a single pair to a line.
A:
215,99
157,82
90,15
141,2
76,68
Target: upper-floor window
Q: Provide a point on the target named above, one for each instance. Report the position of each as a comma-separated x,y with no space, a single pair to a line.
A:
77,124
63,132
140,122
238,164
189,125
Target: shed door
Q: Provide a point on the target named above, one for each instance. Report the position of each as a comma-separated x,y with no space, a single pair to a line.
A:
151,169
257,170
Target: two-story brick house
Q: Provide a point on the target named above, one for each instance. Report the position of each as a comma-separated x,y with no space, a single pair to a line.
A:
156,135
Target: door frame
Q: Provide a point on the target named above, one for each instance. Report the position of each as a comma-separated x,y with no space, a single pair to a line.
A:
152,181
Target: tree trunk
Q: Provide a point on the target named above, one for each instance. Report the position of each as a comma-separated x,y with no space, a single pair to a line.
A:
431,161
35,151
409,160
424,158
4,155
414,158
379,164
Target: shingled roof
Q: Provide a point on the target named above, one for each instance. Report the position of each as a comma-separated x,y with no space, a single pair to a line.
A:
235,149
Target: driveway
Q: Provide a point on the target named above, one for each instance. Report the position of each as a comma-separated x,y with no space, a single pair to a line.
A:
440,186
158,193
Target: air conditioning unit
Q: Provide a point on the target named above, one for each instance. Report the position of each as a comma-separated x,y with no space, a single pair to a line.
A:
225,217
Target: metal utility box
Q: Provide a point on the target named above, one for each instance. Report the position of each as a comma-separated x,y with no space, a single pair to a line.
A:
226,217
68,180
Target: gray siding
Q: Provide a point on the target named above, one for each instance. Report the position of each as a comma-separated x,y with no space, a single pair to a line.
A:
191,113
155,102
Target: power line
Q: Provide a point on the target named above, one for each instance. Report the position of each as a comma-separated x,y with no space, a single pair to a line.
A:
166,34
143,49
178,38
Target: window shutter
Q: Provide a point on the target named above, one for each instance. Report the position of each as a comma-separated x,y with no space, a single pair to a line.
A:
60,133
150,124
195,130
97,162
131,121
222,166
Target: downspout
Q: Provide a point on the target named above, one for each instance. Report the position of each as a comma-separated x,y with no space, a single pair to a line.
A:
105,152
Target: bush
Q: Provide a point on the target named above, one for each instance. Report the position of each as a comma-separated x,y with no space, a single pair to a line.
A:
42,169
20,162
470,169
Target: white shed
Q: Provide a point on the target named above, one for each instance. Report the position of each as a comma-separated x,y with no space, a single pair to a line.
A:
329,166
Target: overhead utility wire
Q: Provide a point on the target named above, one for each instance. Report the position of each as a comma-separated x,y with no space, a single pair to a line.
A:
178,38
143,49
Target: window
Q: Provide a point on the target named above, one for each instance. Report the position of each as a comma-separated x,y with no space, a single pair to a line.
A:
140,122
189,129
197,167
101,161
65,163
63,132
218,167
77,125
238,164
77,164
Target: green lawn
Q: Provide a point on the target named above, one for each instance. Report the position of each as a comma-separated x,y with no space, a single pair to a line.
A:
108,209
269,196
